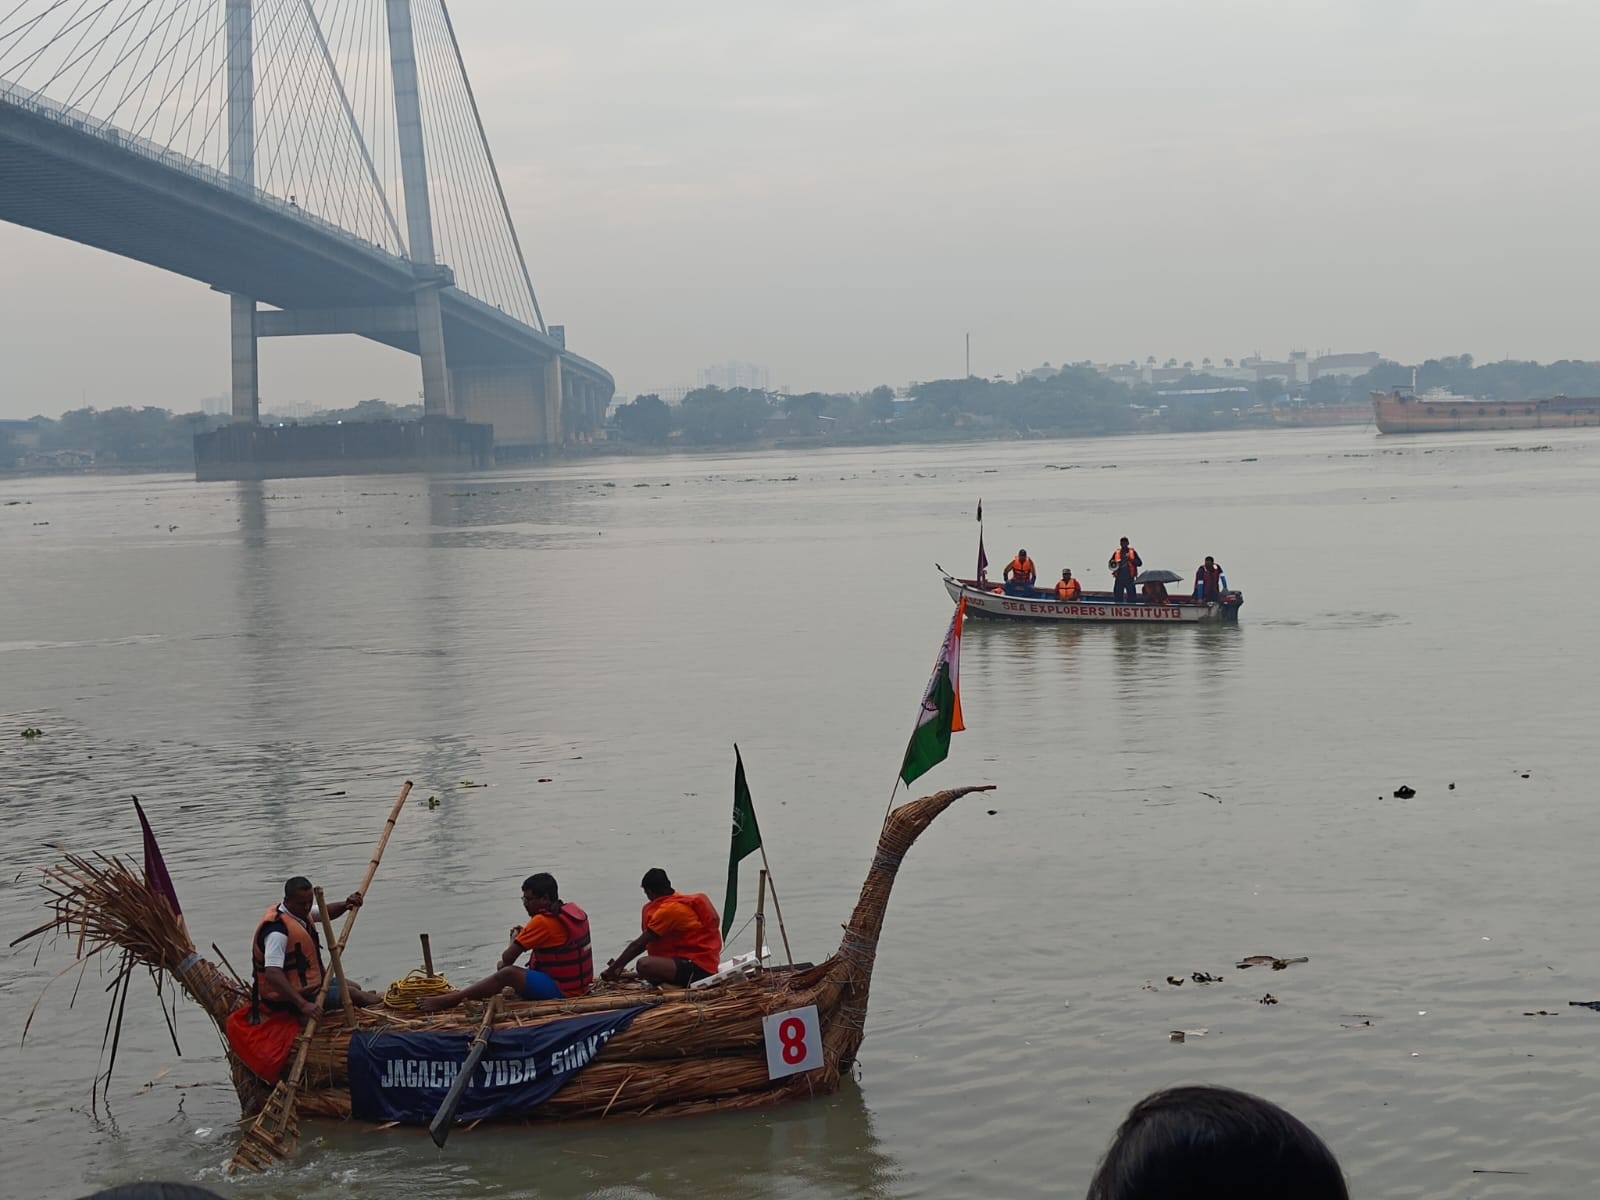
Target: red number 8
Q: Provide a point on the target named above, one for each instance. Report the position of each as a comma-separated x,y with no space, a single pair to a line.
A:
792,1033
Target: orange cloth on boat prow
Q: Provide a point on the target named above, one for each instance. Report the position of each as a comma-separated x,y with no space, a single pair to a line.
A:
264,1048
686,926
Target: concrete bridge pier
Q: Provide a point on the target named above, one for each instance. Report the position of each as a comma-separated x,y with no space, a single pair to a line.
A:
246,407
515,400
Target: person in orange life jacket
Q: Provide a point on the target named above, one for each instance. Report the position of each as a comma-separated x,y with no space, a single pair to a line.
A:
682,932
562,963
1068,588
1209,582
286,954
1020,574
1156,593
1124,563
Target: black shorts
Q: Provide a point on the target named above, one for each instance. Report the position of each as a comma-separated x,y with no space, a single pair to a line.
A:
688,972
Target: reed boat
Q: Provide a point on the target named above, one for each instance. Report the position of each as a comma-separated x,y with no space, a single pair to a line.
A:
686,1051
992,601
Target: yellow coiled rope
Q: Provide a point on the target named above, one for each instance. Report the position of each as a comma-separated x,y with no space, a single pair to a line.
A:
406,993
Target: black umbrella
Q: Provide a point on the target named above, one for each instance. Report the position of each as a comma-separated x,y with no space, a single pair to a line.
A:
1159,576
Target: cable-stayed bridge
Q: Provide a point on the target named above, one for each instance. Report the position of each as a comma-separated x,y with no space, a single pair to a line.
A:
321,162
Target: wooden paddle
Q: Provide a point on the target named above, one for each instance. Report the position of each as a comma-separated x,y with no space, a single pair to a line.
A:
275,1132
439,1127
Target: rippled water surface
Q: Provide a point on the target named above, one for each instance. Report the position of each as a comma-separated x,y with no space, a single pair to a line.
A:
264,664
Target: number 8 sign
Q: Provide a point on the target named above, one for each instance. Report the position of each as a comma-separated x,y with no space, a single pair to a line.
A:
794,1041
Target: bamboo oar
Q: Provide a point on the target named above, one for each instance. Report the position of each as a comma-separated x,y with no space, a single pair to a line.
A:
276,1130
439,1127
337,959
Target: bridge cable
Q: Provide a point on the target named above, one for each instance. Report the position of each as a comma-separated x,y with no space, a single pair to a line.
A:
505,208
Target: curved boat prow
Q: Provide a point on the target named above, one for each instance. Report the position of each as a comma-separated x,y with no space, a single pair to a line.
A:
858,950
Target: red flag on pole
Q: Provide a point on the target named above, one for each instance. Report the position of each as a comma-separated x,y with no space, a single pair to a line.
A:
155,868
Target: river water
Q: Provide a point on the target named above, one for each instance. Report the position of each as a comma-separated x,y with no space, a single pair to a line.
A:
264,664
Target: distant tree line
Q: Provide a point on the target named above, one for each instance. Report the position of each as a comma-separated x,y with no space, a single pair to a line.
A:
1075,401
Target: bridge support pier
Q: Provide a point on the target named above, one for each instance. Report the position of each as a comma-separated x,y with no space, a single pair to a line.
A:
517,401
246,391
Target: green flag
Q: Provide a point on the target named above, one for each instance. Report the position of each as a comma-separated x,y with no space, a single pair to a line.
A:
940,715
746,837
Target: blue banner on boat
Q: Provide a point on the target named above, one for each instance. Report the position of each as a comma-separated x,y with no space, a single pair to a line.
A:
404,1076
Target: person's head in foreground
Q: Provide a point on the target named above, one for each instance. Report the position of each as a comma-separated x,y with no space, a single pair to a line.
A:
1213,1143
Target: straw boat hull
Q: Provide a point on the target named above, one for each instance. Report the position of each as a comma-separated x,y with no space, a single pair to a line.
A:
1092,608
685,1052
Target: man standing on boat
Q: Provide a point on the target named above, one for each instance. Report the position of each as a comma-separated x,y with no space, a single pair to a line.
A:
1124,563
286,955
1067,588
1020,574
683,933
1209,581
562,963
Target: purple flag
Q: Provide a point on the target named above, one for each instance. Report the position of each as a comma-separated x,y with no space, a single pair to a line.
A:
155,869
983,559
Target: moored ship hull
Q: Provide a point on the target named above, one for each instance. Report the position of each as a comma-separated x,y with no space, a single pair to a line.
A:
1402,412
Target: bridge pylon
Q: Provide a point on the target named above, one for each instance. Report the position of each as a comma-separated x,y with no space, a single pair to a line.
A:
246,374
430,275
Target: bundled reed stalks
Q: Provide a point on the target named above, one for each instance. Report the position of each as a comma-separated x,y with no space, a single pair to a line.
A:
688,1051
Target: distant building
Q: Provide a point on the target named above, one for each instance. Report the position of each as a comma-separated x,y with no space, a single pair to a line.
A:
730,375
23,433
56,460
1345,365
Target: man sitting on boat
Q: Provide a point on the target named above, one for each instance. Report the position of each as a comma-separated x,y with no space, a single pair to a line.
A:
1020,574
683,933
562,963
1209,581
1068,588
1124,563
1155,592
286,955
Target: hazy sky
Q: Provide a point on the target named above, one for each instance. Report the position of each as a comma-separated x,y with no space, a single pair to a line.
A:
840,191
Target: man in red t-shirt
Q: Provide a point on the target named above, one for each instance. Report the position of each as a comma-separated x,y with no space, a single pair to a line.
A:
682,931
561,964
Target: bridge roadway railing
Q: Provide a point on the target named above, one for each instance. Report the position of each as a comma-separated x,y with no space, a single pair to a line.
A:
87,123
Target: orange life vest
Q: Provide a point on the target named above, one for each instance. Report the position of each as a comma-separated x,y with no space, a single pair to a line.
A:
701,946
1022,568
302,962
570,964
1118,563
1068,589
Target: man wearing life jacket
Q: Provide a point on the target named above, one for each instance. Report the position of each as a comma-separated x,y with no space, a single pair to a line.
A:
1209,582
683,933
1019,573
1124,563
561,963
1068,588
286,955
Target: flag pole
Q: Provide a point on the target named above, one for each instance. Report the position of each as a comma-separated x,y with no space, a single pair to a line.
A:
766,870
761,920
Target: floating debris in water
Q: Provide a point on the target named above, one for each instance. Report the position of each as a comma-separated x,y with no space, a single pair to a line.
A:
1269,998
1264,960
32,731
1205,977
1404,793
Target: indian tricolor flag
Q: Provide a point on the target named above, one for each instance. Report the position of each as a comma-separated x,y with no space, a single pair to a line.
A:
941,706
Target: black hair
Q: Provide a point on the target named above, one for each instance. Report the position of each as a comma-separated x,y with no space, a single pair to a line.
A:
655,882
296,883
1213,1143
542,885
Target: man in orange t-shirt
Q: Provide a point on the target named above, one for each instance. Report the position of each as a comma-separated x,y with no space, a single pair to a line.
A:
561,964
682,931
